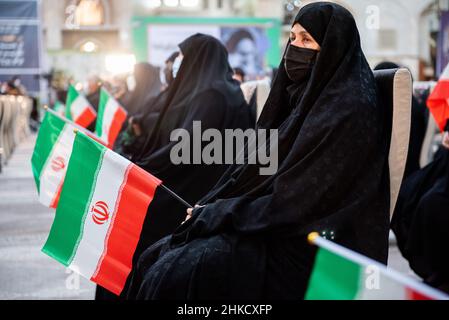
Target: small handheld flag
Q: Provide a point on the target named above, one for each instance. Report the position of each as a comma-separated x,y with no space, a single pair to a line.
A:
51,155
438,101
342,274
100,214
78,109
111,116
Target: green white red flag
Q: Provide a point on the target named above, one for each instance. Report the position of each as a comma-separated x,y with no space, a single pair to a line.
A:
111,116
51,155
100,215
78,109
342,274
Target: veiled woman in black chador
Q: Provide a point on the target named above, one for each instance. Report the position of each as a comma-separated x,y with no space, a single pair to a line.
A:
203,90
248,237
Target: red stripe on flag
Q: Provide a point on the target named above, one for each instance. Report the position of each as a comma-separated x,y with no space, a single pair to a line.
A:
135,196
438,103
86,117
55,201
117,122
415,295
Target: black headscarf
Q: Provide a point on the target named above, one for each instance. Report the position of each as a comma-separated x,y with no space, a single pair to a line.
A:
204,69
148,85
168,71
203,90
332,152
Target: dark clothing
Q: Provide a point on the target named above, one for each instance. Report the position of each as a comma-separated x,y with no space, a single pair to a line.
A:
190,181
128,144
125,99
421,219
148,85
249,240
202,91
418,127
94,100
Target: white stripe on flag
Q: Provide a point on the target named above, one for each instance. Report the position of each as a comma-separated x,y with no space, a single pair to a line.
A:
53,175
110,110
385,272
92,244
78,106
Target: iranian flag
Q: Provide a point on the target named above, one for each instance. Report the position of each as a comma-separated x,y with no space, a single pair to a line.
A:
111,116
78,109
342,274
51,155
438,100
100,215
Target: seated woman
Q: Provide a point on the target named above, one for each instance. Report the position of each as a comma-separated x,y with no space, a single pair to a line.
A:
140,123
203,90
133,136
421,219
248,239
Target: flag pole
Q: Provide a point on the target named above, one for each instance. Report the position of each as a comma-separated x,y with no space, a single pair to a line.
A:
174,195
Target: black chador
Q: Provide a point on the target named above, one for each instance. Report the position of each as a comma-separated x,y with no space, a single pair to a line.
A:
249,239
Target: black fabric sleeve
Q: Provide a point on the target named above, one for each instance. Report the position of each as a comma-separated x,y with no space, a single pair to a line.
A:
208,107
314,184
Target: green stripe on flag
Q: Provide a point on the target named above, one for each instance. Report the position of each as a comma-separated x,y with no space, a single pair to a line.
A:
104,97
72,94
333,278
66,231
49,133
58,106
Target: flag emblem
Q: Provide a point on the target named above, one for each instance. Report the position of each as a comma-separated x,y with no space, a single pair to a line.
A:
58,163
100,212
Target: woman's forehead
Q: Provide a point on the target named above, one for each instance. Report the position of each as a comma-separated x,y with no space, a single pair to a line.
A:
297,28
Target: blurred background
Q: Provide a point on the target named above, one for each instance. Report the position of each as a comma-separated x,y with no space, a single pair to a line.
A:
46,44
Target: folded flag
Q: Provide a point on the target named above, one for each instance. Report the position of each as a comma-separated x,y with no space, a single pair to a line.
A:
342,274
111,116
51,155
438,100
99,219
78,109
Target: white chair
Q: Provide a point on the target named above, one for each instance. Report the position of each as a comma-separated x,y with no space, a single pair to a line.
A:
395,95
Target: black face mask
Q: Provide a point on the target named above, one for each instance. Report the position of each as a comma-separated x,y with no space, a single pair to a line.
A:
299,63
